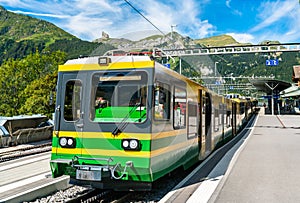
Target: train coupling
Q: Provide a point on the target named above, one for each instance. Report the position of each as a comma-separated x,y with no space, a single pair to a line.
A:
97,172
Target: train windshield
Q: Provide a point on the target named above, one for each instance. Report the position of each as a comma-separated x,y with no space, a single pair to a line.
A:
119,97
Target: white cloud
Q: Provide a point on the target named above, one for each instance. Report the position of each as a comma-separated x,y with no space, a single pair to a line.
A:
243,38
86,19
234,11
41,14
96,6
279,21
228,3
200,30
272,12
11,2
184,14
86,27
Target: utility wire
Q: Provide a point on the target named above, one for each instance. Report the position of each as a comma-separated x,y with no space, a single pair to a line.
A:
144,17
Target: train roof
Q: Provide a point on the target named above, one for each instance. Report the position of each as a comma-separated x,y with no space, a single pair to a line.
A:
106,63
113,59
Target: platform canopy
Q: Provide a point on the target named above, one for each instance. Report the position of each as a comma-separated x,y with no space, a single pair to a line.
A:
270,86
293,91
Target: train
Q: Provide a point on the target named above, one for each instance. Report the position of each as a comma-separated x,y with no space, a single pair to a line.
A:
122,122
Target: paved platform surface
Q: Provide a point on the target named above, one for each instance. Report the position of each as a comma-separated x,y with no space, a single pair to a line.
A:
267,166
28,178
200,184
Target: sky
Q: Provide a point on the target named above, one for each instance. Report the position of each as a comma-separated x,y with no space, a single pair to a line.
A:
247,21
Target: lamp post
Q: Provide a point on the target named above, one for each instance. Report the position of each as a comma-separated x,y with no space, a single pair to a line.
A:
216,68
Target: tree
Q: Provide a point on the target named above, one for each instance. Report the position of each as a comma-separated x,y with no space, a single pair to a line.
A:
20,79
37,96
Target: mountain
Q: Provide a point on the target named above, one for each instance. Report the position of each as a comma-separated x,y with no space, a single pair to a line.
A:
169,41
21,35
173,40
158,41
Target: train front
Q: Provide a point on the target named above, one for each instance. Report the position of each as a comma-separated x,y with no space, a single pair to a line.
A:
102,131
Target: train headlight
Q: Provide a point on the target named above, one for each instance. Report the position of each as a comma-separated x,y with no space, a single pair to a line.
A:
63,141
70,142
67,142
125,143
131,144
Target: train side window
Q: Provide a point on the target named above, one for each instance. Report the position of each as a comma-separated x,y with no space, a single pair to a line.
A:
72,102
162,101
216,120
192,119
179,111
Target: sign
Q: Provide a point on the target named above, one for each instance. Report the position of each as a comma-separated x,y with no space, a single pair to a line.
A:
167,65
271,62
297,71
218,82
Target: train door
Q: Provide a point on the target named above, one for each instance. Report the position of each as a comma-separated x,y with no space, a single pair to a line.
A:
208,127
201,120
233,120
222,118
246,109
69,111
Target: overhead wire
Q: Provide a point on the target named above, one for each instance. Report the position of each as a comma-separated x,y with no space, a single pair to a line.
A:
144,17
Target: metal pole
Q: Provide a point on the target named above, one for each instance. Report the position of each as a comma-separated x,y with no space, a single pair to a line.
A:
179,65
272,99
272,102
216,68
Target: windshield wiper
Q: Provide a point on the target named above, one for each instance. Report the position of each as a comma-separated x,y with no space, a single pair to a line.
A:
124,122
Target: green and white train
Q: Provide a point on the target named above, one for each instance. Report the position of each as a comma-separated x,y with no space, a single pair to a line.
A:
122,122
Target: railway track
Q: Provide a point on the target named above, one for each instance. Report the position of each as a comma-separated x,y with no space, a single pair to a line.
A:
76,194
103,196
21,151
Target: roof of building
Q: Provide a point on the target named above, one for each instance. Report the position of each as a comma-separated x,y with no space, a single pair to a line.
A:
270,85
292,91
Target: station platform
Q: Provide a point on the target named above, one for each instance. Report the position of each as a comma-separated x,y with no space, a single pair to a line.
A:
266,168
263,165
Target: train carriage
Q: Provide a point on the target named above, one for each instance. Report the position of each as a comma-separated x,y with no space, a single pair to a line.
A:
122,122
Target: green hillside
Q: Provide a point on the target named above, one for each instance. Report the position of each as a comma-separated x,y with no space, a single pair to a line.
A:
214,41
21,35
19,27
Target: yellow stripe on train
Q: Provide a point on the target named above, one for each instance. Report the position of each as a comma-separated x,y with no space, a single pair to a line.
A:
122,153
116,65
109,135
101,152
